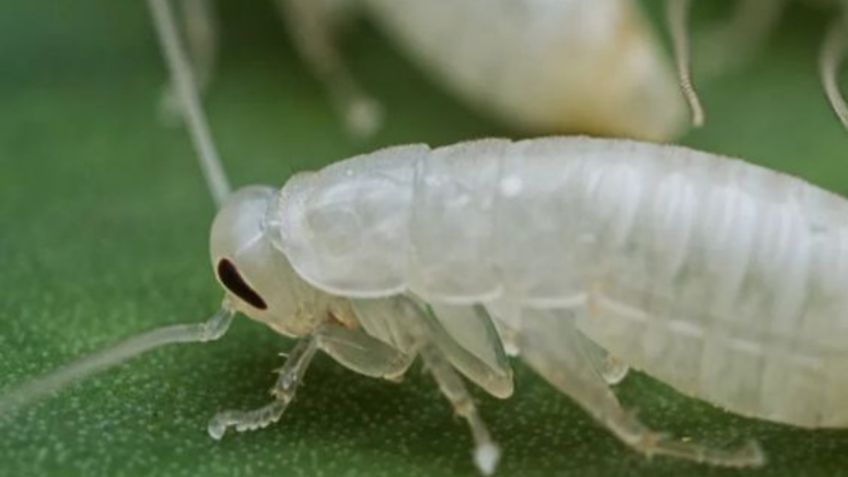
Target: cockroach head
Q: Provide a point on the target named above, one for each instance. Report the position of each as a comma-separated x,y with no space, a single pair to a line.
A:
255,274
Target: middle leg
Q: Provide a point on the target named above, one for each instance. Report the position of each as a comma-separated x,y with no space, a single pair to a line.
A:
486,452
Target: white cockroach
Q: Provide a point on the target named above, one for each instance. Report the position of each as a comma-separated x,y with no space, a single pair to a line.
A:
537,65
723,279
733,43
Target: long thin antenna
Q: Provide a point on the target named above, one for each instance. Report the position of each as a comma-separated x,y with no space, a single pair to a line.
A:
185,87
99,361
830,61
677,15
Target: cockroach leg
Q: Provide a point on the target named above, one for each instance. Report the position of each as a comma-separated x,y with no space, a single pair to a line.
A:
552,347
283,391
486,452
677,12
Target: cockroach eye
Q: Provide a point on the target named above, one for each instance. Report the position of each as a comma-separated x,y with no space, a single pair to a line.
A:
230,277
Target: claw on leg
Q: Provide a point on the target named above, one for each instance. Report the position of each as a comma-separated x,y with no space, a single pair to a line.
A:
246,420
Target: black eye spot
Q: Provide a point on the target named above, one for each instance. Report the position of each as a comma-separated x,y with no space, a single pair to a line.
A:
230,277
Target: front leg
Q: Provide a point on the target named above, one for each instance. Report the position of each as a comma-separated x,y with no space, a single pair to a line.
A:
284,390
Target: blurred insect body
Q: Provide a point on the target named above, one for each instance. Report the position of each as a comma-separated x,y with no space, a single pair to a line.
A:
544,65
723,279
537,65
732,44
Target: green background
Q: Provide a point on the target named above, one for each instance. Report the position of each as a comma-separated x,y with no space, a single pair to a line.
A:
103,232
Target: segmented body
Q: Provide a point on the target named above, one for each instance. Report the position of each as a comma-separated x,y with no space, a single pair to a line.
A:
544,65
722,278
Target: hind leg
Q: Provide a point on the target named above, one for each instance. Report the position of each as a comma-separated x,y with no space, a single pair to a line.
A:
486,452
551,345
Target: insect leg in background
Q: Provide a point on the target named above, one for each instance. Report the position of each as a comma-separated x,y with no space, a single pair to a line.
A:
284,390
832,56
734,43
200,21
312,25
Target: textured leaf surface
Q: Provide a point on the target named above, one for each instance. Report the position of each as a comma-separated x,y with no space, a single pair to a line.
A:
103,233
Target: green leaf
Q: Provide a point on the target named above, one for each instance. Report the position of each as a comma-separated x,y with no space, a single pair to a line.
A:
104,225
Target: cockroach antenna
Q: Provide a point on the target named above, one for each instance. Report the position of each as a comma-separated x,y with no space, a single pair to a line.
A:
113,355
677,14
217,325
